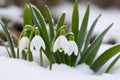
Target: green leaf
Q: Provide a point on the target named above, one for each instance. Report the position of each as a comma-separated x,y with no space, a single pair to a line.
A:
104,57
51,23
87,41
112,64
75,21
37,23
93,45
27,16
82,32
60,21
9,39
41,21
93,53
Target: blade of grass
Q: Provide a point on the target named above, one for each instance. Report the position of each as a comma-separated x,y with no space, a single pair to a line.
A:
36,21
82,32
112,64
75,21
41,21
93,53
93,45
9,39
51,23
87,41
60,21
104,57
26,16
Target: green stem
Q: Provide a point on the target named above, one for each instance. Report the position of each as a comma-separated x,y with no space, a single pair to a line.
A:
69,57
41,58
73,59
30,56
51,54
63,57
18,53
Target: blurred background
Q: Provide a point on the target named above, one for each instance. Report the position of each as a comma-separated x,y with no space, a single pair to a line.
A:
12,12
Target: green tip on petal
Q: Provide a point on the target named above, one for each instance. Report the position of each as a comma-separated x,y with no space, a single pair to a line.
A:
37,32
71,37
24,33
62,32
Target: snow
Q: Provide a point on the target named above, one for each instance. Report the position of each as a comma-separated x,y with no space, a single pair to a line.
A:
18,69
108,16
11,13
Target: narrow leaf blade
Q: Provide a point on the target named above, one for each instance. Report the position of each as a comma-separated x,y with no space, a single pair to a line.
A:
41,21
51,23
87,41
112,64
26,16
83,29
9,39
93,53
104,57
75,21
36,21
60,21
93,45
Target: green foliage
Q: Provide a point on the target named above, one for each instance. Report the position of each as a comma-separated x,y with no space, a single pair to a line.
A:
75,21
112,64
104,57
82,31
8,39
51,23
27,17
78,38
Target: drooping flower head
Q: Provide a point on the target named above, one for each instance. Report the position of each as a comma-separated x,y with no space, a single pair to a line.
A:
37,42
72,46
61,43
23,43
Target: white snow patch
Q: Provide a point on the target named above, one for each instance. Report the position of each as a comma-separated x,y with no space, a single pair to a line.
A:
18,69
12,13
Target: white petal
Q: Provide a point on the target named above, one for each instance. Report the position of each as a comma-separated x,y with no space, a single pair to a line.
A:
64,43
60,44
56,44
72,48
36,43
75,49
24,41
42,43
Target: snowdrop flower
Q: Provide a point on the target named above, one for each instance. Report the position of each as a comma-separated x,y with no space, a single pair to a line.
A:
72,46
37,43
60,44
23,44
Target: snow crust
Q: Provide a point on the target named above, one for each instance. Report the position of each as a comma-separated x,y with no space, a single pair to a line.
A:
18,69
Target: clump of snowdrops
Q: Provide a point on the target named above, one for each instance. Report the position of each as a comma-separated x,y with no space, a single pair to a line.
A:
60,46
